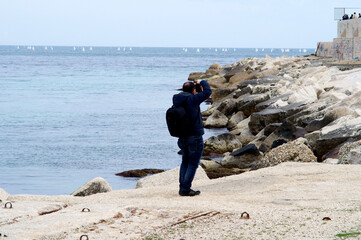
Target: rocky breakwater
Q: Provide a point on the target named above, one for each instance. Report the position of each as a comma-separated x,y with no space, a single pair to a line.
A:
282,109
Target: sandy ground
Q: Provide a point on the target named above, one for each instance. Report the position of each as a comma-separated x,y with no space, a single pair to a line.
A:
289,201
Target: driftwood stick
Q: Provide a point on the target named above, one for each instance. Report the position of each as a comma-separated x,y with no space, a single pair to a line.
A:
196,216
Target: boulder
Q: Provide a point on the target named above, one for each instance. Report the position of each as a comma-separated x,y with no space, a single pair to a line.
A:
247,105
260,120
214,69
235,119
282,134
245,92
209,164
195,75
241,77
168,177
329,117
246,157
94,186
225,142
228,106
216,120
295,151
332,161
217,82
234,70
139,172
337,132
218,94
350,153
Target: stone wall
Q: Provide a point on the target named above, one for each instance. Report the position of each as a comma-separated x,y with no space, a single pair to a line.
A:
347,45
325,49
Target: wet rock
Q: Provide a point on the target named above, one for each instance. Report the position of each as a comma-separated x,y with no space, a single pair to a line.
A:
94,186
225,142
350,153
260,120
216,120
139,172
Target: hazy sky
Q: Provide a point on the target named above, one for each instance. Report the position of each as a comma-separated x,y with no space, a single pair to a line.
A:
170,23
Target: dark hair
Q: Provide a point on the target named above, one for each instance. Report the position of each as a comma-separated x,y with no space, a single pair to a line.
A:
188,87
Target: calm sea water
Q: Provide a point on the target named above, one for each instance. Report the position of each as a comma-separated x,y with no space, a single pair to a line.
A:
69,114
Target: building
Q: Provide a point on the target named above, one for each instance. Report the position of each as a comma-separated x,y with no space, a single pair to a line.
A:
347,45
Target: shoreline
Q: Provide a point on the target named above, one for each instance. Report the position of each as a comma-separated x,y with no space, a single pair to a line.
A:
285,200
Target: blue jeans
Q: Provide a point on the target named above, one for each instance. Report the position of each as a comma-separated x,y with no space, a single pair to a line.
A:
192,150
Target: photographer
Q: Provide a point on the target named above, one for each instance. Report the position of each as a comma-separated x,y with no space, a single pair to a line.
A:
192,145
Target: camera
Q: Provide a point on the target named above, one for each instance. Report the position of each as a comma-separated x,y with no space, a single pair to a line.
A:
198,87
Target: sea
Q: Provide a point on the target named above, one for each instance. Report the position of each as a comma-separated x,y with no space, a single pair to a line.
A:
69,114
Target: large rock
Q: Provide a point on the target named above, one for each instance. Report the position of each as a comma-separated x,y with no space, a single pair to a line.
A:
218,94
282,134
168,177
350,153
337,132
214,69
217,82
209,164
247,105
260,120
216,120
295,151
246,157
94,186
228,106
235,119
195,75
225,142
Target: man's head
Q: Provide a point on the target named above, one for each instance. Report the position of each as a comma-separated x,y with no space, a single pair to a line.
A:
188,87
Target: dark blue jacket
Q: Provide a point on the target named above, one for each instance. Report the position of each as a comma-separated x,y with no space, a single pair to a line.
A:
192,106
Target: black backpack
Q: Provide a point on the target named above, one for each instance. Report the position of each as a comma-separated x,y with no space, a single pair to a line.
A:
178,121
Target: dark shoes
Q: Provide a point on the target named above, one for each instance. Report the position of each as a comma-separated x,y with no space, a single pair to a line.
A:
189,193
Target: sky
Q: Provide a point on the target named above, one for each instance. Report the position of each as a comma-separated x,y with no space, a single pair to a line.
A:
170,23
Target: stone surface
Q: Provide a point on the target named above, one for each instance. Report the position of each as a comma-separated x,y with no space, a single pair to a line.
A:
247,105
168,177
235,119
94,186
214,69
223,172
209,164
245,157
218,94
195,75
216,120
350,153
228,106
260,120
225,142
51,209
295,151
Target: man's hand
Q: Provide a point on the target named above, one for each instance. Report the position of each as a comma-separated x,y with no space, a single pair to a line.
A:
198,81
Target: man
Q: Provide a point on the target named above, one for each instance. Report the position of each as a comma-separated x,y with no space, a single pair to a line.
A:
192,145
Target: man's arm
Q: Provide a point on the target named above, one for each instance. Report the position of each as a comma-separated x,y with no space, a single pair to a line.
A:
205,94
